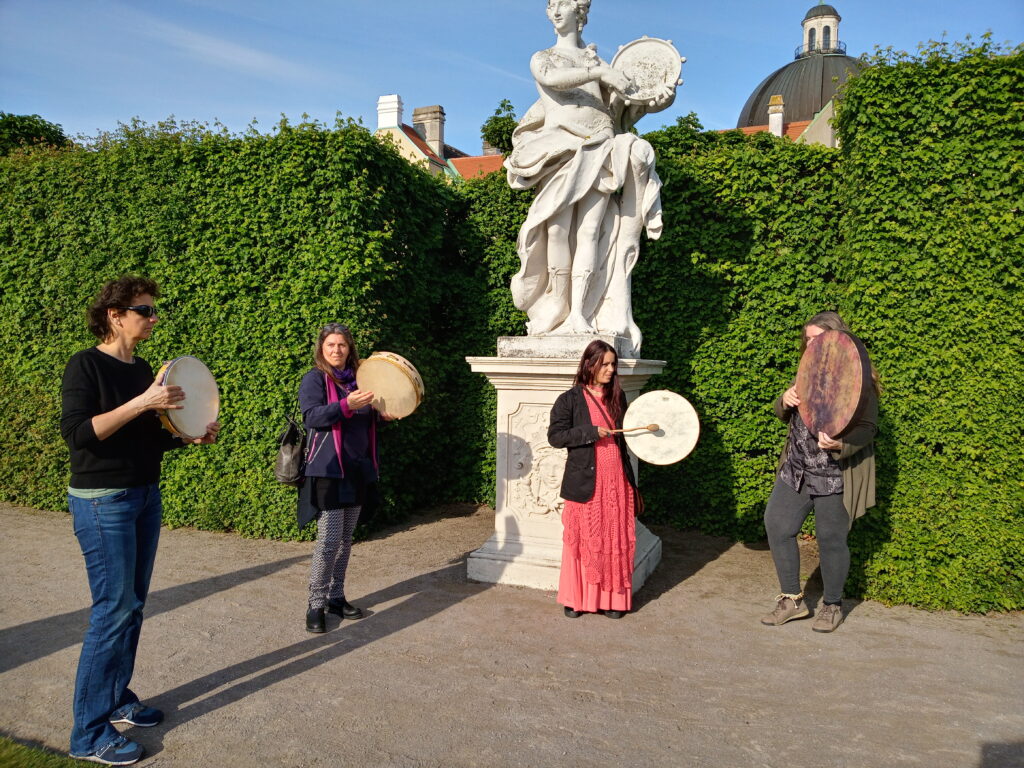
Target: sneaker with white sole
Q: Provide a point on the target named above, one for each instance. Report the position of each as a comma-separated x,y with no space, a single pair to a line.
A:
120,751
138,714
828,618
787,608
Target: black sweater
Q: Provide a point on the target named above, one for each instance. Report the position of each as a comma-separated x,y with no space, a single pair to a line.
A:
95,383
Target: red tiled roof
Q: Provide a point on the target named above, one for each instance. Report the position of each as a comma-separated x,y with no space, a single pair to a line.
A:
481,165
421,145
790,130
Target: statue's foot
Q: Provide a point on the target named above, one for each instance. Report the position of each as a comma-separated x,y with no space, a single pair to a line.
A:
576,325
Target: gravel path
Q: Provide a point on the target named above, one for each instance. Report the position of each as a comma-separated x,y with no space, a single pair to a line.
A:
443,672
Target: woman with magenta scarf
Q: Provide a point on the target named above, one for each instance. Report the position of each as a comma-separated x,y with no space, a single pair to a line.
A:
341,466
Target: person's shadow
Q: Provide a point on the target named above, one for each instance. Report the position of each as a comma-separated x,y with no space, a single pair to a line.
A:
33,640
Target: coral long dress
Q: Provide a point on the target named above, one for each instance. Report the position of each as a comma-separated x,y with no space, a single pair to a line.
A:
599,536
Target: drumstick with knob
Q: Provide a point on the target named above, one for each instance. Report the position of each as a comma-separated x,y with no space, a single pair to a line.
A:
649,427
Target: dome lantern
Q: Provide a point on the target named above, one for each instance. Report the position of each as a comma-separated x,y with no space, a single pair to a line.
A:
821,32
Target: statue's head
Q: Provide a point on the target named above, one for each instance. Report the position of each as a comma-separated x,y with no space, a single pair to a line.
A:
563,12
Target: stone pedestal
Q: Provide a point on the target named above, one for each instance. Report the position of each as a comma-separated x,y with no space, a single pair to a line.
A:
526,548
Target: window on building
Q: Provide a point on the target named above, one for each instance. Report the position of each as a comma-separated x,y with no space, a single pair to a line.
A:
812,39
826,38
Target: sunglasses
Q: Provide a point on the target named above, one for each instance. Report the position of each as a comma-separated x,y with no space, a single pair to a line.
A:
143,309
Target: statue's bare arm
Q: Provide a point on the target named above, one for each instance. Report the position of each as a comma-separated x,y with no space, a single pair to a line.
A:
545,70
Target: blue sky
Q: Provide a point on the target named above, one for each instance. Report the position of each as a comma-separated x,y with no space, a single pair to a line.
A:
89,64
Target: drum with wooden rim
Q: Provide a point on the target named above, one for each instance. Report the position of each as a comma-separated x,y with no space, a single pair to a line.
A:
396,384
833,382
202,397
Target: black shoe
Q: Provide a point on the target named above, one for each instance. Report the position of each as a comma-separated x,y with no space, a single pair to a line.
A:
614,614
344,608
571,614
315,620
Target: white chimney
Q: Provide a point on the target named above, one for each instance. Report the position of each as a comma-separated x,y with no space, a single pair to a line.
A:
775,114
389,111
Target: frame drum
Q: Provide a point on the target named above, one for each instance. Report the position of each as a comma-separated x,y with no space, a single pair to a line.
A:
650,63
202,398
678,427
833,382
396,384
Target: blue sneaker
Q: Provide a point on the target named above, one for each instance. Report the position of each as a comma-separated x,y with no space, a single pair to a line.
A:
138,714
120,751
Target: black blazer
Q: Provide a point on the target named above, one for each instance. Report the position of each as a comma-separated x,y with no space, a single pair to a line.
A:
570,427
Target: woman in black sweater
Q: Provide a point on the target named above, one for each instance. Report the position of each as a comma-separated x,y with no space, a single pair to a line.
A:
110,424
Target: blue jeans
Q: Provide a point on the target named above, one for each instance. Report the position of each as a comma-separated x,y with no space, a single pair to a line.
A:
118,535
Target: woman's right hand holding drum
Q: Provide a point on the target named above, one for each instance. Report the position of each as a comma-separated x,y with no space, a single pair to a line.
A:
790,399
358,398
161,397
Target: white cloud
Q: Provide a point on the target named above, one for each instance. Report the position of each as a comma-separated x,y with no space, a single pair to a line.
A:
225,54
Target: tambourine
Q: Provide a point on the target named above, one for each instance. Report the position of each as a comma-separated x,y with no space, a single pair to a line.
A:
202,397
833,382
396,384
661,427
650,63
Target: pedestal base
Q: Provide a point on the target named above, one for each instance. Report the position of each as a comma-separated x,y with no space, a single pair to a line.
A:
535,561
526,548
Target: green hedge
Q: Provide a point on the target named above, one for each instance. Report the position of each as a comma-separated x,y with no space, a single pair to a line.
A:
933,260
256,241
912,230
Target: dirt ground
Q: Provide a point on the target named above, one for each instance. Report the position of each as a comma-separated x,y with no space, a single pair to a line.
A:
444,672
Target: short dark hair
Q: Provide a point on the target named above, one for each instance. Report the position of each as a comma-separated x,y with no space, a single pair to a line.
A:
116,293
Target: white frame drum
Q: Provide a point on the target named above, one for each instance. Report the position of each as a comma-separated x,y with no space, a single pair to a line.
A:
202,397
678,427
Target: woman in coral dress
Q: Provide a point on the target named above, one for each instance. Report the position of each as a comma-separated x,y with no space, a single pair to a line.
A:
599,538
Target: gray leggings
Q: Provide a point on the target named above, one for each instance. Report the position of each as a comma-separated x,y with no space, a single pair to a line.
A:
783,517
334,529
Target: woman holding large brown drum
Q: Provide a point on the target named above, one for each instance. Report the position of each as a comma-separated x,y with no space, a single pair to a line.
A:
599,538
835,478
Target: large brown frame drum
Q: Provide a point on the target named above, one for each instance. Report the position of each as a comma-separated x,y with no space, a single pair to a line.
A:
833,382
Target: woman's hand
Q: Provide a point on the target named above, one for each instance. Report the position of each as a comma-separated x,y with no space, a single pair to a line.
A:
210,437
160,397
603,432
357,398
790,399
826,443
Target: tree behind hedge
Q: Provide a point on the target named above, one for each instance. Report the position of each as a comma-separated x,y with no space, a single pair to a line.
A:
933,258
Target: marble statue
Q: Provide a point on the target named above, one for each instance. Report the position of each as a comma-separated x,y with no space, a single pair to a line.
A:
597,188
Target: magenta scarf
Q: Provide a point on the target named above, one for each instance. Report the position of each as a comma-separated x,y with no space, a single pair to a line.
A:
332,397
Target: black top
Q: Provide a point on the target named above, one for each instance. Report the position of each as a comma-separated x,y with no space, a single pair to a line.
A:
570,427
95,383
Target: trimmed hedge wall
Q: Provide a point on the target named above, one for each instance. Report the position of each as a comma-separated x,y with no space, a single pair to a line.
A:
933,261
256,241
912,231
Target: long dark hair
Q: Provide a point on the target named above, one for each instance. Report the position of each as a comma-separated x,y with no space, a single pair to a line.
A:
352,361
591,360
831,321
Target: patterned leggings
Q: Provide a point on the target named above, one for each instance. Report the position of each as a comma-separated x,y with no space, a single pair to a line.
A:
334,530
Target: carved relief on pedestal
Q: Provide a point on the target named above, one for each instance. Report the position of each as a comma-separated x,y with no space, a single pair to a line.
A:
534,471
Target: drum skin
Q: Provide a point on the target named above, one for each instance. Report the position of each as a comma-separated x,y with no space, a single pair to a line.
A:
396,384
833,382
202,397
678,427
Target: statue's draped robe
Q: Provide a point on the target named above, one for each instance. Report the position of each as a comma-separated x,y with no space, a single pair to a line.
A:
565,161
